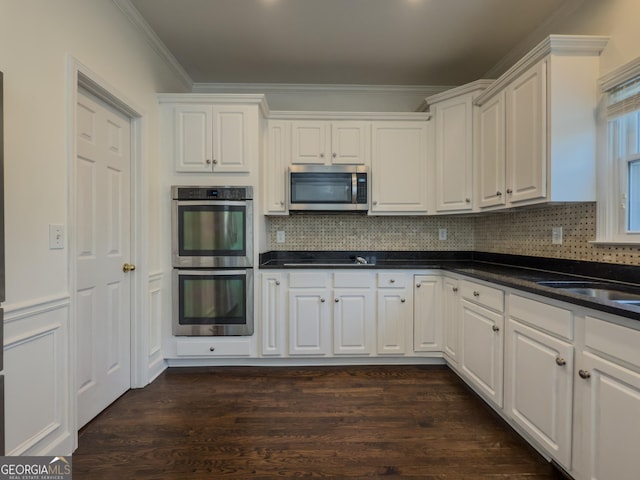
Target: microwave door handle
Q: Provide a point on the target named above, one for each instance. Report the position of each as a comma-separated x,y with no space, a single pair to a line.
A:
354,188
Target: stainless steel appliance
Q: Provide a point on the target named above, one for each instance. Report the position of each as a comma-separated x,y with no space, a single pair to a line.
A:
212,227
212,249
333,188
213,302
2,279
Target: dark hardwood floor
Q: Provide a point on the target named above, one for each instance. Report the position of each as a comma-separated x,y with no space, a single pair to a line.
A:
340,422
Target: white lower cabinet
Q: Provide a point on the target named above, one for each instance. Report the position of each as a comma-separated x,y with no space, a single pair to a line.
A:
427,324
353,314
539,388
608,387
309,314
451,319
272,324
395,313
482,343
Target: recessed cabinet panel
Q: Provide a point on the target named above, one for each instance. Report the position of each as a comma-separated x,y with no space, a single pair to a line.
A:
539,393
427,321
353,328
309,322
193,138
491,158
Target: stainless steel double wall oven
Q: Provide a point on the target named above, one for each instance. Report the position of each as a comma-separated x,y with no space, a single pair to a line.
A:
212,250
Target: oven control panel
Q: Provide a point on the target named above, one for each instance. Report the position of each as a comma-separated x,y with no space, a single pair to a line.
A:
212,193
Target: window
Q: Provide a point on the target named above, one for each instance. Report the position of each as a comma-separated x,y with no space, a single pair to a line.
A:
619,164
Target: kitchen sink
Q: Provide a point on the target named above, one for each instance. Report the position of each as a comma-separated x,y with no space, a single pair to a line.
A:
598,290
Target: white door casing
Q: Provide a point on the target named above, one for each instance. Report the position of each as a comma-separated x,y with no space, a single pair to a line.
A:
102,246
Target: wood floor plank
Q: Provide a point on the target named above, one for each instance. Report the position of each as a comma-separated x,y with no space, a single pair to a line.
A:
363,422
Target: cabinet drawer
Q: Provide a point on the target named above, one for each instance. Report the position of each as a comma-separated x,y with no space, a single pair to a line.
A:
547,317
308,280
214,347
353,279
392,280
483,295
613,340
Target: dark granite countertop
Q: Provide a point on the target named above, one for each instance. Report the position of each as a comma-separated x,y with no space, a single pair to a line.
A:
516,271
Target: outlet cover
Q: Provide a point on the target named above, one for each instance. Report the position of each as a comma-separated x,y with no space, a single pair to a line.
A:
556,235
442,234
280,236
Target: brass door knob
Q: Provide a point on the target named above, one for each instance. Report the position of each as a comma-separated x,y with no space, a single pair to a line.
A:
128,267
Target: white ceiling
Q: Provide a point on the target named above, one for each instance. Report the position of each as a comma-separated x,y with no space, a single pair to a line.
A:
360,42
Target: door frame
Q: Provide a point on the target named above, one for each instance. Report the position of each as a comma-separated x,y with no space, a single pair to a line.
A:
80,76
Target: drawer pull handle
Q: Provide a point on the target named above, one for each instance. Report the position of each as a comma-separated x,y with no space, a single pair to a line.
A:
585,374
211,349
495,328
561,361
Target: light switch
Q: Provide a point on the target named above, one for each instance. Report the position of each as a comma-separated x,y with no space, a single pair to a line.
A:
56,237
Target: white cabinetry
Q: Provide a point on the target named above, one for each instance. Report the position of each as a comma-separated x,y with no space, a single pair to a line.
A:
399,168
451,319
453,118
353,313
274,170
608,383
215,138
427,319
326,143
309,313
395,313
482,339
536,133
539,374
272,322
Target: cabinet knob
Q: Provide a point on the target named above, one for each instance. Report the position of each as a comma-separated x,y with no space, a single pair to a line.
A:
215,162
561,361
211,349
468,200
334,155
375,202
476,294
322,155
418,285
281,202
499,194
509,191
586,374
455,289
495,328
337,300
208,161
322,300
403,300
277,282
392,280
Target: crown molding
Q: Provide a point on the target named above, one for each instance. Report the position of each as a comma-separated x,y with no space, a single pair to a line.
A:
585,45
472,87
154,41
362,116
218,98
620,75
282,88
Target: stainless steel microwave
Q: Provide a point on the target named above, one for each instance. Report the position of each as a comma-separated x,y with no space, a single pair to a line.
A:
328,188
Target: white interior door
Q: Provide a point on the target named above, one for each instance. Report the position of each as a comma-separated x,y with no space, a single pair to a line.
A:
102,248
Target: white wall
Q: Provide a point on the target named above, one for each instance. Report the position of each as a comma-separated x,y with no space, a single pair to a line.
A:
36,38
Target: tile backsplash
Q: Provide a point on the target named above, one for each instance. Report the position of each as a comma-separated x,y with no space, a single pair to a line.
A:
524,231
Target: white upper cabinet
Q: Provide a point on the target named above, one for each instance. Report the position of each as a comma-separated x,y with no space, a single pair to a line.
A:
399,168
213,133
453,117
330,143
274,171
539,117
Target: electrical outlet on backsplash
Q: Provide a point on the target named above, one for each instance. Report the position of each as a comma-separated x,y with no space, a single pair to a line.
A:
515,232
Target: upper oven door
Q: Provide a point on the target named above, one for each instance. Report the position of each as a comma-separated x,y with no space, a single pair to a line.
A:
212,234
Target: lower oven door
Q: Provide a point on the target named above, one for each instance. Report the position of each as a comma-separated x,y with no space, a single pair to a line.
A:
212,302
